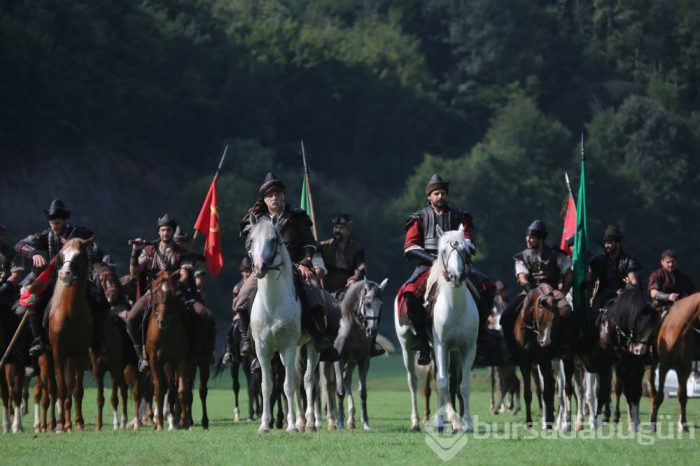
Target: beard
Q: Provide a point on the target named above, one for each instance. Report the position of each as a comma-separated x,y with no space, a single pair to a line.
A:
338,236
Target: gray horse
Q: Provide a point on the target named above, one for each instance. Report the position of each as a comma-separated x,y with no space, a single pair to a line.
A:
360,312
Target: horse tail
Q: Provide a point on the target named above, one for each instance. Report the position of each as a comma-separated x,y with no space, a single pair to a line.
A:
385,343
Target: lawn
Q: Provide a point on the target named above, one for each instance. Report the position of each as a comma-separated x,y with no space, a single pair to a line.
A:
389,441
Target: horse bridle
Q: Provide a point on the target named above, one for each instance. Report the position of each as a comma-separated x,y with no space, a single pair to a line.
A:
454,247
275,253
358,313
77,269
534,328
629,339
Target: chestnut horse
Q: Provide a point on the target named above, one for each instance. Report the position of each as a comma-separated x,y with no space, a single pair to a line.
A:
168,351
538,336
678,345
11,384
70,329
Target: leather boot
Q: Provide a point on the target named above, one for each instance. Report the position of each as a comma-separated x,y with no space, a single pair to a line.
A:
376,349
37,346
416,314
319,331
143,362
244,322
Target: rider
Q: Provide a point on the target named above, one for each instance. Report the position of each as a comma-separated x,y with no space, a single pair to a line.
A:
147,259
294,226
344,262
41,248
668,284
537,264
420,245
245,268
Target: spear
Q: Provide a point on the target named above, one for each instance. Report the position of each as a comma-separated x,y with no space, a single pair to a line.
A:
218,169
307,185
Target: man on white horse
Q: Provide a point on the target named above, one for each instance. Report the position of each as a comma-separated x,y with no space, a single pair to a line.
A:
420,245
294,226
538,264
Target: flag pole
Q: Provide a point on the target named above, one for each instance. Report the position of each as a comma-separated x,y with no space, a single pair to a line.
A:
218,169
308,188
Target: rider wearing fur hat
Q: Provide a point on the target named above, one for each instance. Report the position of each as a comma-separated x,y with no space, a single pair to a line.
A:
534,265
423,230
294,226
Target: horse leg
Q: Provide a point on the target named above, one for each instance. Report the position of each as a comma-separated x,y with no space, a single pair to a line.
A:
659,396
683,371
492,379
79,392
604,377
114,398
184,393
5,395
525,370
424,378
363,370
16,396
568,392
328,391
347,386
340,391
25,395
310,385
466,363
592,381
203,391
579,393
289,357
545,371
236,387
632,385
442,361
158,377
409,362
98,374
38,392
618,386
266,369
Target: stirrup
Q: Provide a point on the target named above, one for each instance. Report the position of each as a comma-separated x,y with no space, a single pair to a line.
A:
143,364
228,358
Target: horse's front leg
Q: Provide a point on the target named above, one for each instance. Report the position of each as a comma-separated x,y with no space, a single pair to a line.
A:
409,361
632,386
347,387
289,357
78,393
310,385
159,388
442,361
184,392
525,372
547,379
98,374
203,392
363,369
236,387
465,388
264,357
328,392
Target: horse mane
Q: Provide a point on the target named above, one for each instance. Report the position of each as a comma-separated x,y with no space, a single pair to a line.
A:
628,305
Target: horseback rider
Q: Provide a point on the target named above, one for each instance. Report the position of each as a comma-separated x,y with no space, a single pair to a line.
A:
423,230
612,270
344,263
534,265
294,227
148,258
668,284
41,248
245,268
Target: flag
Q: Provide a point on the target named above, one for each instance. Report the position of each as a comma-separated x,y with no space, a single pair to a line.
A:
306,203
208,224
580,257
39,286
569,225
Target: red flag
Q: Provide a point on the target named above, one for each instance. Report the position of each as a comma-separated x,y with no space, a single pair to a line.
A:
569,225
208,224
38,286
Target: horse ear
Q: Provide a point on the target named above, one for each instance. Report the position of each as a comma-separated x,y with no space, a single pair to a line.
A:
461,228
382,285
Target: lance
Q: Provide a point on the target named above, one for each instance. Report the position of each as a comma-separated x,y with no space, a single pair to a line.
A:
15,337
218,169
308,188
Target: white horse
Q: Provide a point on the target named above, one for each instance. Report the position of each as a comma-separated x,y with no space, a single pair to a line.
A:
275,322
455,329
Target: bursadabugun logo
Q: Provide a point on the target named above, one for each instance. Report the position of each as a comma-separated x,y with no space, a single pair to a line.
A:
445,444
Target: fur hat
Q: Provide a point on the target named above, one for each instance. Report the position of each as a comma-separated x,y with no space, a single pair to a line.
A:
271,184
436,182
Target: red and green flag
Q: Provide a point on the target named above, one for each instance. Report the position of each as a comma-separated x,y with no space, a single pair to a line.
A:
580,257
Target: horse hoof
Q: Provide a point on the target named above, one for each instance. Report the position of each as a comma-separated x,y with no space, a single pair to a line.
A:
311,428
293,429
351,424
415,428
366,427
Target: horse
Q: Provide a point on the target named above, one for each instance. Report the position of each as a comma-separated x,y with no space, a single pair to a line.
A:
275,323
626,336
203,327
168,351
359,323
70,325
537,333
11,385
111,360
678,345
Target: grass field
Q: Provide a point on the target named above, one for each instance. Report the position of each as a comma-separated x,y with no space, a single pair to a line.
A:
389,442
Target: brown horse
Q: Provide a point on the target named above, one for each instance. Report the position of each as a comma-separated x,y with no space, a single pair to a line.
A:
678,345
45,395
11,384
537,330
70,327
168,350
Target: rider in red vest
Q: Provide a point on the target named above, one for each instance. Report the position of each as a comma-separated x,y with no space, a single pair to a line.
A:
423,230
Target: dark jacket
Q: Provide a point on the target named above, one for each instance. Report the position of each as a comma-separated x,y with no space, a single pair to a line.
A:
338,274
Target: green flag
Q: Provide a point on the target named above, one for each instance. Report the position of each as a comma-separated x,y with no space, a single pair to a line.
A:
580,257
306,203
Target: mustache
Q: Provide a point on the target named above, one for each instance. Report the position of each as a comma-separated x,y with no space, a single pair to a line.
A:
338,236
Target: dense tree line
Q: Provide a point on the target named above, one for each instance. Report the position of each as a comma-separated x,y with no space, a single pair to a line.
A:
135,99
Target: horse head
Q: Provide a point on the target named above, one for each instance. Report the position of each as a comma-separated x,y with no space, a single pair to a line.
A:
368,310
454,253
634,321
542,306
163,299
73,261
265,248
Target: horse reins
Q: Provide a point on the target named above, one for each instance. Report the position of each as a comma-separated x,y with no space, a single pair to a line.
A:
462,255
360,317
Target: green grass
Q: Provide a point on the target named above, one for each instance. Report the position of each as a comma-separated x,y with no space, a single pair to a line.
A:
389,442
